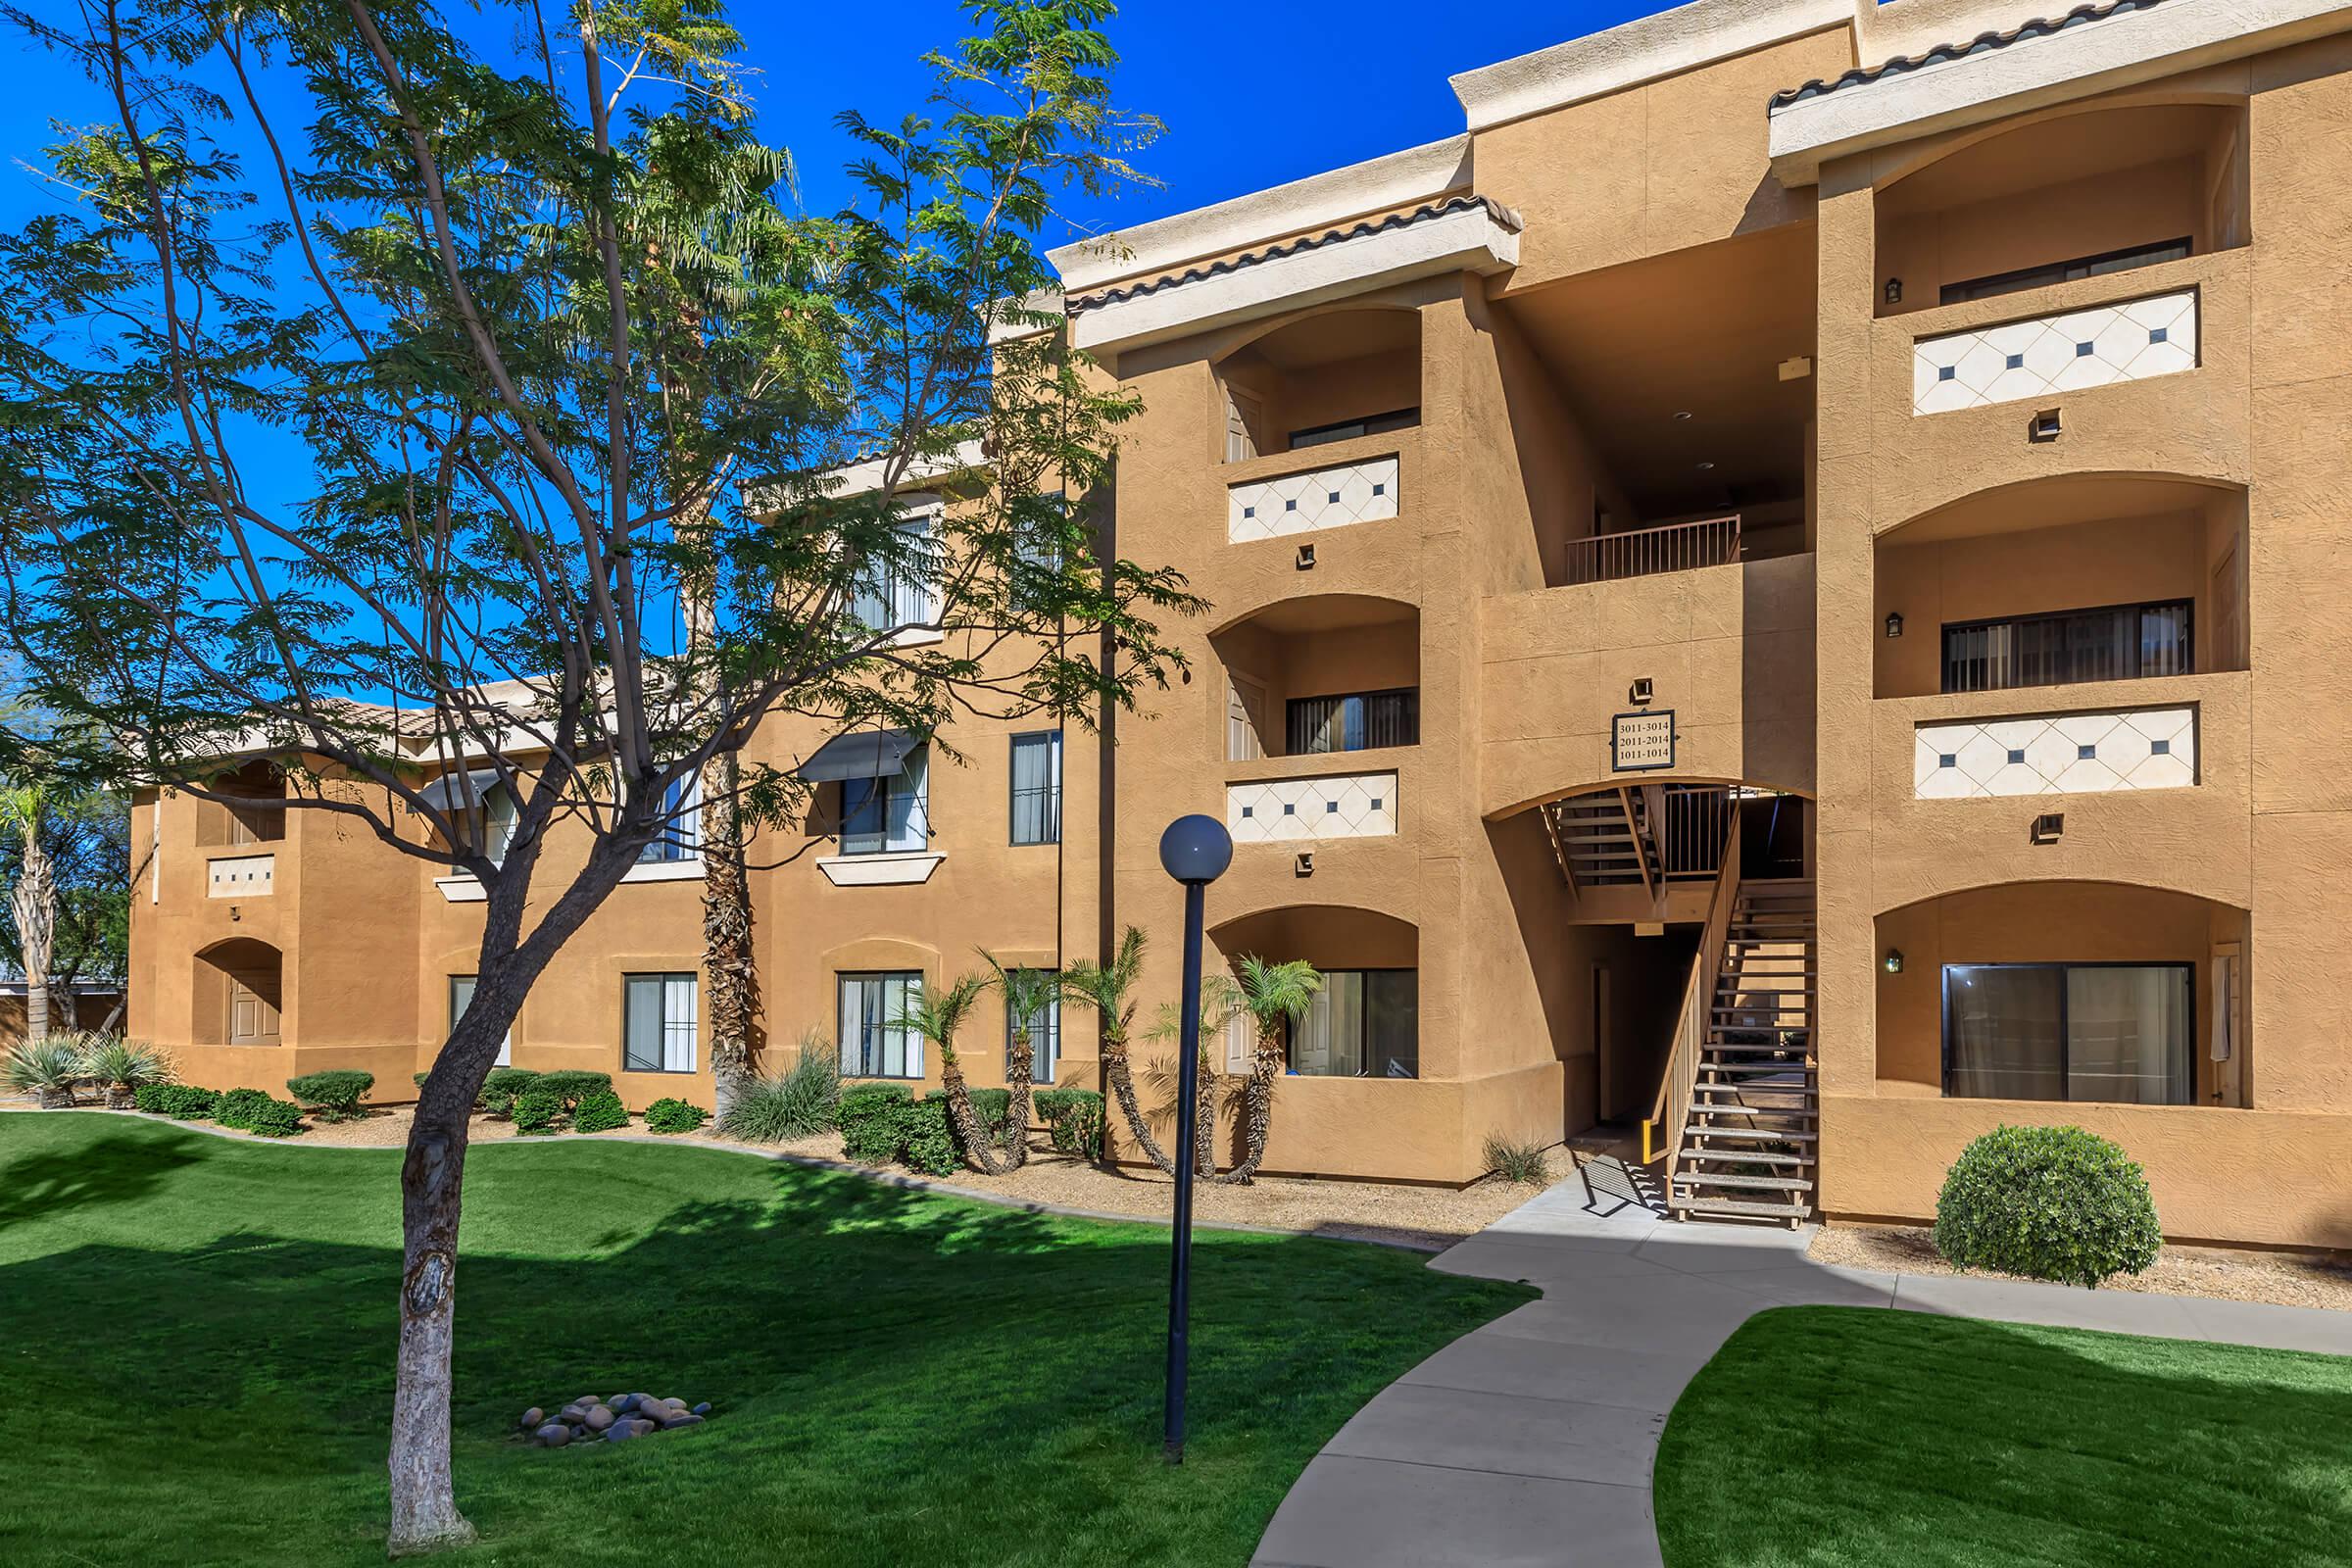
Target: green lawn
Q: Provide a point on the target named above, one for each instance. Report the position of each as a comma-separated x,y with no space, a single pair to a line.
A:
1849,1437
197,1335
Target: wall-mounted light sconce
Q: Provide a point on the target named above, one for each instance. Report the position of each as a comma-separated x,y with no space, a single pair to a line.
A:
1894,624
1307,558
1638,692
1893,963
1895,291
2046,425
235,913
1304,865
2048,828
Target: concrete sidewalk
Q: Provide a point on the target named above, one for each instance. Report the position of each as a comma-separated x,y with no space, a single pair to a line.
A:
1530,1441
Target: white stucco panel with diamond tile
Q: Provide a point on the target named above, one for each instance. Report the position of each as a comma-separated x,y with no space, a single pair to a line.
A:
1358,805
1305,503
2053,354
2057,754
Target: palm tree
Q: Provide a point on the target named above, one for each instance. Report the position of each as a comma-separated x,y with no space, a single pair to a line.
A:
1108,988
1272,997
1026,993
32,900
937,1017
1216,1010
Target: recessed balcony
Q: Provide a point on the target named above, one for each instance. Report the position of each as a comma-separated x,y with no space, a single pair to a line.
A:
1321,674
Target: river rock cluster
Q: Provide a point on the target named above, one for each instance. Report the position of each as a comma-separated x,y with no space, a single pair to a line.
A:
592,1417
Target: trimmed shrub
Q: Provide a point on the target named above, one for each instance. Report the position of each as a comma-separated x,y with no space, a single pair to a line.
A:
802,1101
418,1078
869,1117
237,1107
2048,1203
337,1093
536,1110
1515,1161
271,1117
927,1136
1073,1117
670,1115
569,1084
599,1110
182,1101
992,1107
502,1086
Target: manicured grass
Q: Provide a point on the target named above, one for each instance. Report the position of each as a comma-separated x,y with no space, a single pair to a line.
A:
196,1337
1841,1435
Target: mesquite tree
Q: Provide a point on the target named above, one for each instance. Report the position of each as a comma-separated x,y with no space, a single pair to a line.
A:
461,443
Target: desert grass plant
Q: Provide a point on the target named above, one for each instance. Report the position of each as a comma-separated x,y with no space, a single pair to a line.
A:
121,1067
937,1016
46,1069
1516,1160
800,1101
1110,989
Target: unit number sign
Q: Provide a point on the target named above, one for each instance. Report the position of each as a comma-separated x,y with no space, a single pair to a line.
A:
1642,741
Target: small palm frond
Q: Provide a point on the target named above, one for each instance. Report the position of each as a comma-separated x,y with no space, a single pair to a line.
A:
936,1015
1026,992
1108,988
1275,993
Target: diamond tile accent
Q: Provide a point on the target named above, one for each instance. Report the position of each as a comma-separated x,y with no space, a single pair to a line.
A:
2018,360
1307,502
1358,805
2056,754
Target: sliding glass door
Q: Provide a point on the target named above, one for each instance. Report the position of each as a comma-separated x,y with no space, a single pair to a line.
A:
2122,1034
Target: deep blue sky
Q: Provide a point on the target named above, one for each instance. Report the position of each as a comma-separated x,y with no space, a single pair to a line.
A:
1250,99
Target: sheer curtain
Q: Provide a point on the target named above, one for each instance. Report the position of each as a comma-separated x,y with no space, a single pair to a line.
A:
2002,1032
2128,1035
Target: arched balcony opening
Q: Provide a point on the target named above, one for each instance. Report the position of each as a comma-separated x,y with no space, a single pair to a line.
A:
1365,1021
2080,196
1322,379
1325,674
2055,583
237,997
2073,991
254,811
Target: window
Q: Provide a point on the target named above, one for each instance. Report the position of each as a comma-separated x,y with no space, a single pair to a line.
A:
901,592
460,997
1347,429
679,837
498,807
879,815
1355,722
1985,288
874,1042
659,1022
2121,1033
2121,642
1364,1024
1045,1040
1037,788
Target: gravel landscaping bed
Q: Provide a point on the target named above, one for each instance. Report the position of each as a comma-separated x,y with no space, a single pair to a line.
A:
2286,1279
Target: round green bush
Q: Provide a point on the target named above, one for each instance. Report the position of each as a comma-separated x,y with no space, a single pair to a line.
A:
2047,1202
336,1092
599,1110
239,1106
501,1087
275,1118
669,1115
536,1110
572,1085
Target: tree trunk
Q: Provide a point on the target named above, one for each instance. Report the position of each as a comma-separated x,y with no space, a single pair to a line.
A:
33,901
966,1121
729,969
1020,1060
1121,1073
1205,1123
1257,1109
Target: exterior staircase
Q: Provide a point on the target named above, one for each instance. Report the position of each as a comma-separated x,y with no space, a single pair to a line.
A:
1602,840
1748,1148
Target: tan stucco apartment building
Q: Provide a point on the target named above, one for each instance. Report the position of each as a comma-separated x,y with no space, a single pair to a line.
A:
1788,590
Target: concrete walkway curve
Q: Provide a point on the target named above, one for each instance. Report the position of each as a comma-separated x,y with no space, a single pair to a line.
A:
1530,1441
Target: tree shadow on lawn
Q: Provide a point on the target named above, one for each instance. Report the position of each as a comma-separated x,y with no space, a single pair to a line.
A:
113,1168
1847,1436
897,1378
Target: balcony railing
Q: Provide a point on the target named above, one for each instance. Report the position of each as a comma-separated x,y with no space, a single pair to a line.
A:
1647,552
2046,355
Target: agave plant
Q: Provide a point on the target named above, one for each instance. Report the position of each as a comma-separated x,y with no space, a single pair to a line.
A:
937,1017
46,1069
120,1067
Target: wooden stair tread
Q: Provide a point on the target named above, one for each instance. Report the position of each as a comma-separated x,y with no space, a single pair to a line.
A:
1757,1184
1734,1206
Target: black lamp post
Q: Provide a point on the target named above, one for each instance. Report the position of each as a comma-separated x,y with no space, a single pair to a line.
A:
1194,851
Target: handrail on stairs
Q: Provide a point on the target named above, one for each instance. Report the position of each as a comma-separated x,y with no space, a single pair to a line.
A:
1662,1130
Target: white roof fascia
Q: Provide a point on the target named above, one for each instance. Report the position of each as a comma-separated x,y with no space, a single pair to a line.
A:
1645,49
2093,57
1319,201
863,479
1470,240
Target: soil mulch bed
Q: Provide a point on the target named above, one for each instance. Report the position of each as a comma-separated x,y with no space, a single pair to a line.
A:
2285,1279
